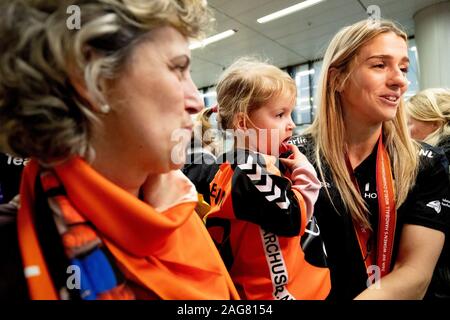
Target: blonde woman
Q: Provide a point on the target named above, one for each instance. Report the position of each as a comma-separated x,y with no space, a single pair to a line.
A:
382,209
429,116
105,214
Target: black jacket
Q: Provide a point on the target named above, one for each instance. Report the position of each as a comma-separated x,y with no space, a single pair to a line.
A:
12,280
348,272
440,284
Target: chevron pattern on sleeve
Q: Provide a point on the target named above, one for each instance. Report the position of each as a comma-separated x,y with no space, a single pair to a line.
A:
264,183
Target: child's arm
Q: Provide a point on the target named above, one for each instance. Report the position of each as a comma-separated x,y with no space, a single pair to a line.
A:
303,177
264,196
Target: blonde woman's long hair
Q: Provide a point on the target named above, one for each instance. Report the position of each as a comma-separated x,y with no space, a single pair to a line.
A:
432,105
328,128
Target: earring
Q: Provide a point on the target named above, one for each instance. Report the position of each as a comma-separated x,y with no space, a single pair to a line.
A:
105,108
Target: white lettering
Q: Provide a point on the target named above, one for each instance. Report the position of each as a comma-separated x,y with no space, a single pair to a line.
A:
277,267
17,161
298,140
194,310
374,279
426,153
74,20
374,13
370,195
74,280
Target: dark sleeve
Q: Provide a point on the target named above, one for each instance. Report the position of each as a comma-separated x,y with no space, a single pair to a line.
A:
306,145
10,174
12,281
428,204
264,198
201,172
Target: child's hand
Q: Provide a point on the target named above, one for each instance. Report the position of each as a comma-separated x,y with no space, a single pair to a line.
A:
295,159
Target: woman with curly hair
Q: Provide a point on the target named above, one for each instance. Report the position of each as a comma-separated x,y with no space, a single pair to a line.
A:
104,111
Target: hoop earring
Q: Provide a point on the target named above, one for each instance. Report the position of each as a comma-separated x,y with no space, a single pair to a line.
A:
105,108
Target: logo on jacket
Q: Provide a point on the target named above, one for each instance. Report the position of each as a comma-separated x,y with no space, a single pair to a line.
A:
426,153
436,205
254,173
368,194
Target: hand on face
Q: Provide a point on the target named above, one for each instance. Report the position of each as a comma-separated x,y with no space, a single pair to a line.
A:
295,159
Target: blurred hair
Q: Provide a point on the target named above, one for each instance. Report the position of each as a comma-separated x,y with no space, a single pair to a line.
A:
41,113
211,138
432,105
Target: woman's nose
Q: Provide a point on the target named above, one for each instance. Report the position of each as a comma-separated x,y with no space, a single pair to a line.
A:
193,102
398,79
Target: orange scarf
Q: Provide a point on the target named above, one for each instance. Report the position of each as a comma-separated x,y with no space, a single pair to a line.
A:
170,253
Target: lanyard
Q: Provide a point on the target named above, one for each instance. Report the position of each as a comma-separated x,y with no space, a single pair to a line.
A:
381,255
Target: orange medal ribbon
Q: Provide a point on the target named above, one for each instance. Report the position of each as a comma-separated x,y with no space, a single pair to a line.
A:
381,255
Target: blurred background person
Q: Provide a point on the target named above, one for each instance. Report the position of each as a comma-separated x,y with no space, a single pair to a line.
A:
429,116
206,144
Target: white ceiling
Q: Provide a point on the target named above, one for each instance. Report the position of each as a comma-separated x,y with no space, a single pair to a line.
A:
290,40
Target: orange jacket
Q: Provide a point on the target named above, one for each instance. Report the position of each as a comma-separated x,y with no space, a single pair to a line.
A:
258,221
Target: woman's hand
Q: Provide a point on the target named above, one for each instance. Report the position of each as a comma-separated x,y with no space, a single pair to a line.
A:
418,254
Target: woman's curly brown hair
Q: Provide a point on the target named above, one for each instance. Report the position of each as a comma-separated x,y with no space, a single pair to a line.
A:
41,114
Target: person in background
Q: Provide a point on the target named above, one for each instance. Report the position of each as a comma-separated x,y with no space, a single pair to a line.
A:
208,136
259,206
11,168
429,116
206,145
104,111
382,209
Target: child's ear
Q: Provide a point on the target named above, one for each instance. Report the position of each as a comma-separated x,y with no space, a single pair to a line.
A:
240,121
